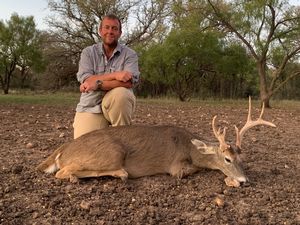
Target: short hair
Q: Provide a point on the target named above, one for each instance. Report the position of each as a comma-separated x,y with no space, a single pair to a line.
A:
112,17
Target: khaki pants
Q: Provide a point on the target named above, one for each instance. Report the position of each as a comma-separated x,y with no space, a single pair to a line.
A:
118,106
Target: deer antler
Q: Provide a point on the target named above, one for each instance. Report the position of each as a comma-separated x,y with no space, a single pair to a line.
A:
250,123
220,136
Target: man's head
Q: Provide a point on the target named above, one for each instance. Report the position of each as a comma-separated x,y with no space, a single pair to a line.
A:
110,30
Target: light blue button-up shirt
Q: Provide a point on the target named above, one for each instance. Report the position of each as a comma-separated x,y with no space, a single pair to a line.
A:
93,62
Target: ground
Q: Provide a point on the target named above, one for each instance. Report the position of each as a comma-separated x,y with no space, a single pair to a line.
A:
30,133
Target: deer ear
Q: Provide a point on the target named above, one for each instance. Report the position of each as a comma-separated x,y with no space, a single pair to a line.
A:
200,145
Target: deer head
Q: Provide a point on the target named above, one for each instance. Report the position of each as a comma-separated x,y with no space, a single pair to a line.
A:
226,157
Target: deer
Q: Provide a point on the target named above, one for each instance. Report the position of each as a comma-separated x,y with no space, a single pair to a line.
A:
135,151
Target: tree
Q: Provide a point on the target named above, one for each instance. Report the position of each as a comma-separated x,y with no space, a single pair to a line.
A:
76,23
195,58
19,47
185,56
235,68
61,65
75,26
262,26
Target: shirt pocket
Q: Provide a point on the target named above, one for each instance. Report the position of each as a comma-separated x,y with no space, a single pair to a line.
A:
117,67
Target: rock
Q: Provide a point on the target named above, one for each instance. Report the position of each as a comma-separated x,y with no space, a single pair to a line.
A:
231,182
85,205
35,215
219,200
30,145
17,169
69,188
58,126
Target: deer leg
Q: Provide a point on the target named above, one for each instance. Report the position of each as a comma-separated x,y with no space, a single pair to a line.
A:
74,172
67,172
188,170
121,173
183,169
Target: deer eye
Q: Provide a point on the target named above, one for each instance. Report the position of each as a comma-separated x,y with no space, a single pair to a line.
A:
227,160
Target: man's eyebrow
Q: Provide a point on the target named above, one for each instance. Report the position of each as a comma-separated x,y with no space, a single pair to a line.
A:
106,25
112,26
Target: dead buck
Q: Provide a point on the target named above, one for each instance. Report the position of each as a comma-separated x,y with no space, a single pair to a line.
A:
136,151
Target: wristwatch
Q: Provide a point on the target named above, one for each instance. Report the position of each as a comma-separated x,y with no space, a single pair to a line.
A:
99,84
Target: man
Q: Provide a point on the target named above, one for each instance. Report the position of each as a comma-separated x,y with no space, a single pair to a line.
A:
107,73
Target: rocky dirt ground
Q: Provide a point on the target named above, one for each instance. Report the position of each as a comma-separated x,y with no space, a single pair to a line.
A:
30,133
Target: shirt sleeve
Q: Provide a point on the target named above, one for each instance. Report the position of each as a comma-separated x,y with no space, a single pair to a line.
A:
85,69
132,65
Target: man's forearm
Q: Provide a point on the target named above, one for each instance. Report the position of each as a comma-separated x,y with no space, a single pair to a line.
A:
118,75
110,81
106,85
110,84
104,77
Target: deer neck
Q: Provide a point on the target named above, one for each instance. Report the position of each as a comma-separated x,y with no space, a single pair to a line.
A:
200,160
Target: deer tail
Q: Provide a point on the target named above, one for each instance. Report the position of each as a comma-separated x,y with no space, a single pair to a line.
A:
50,165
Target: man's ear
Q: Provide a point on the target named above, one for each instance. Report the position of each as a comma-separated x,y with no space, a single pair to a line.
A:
204,149
99,29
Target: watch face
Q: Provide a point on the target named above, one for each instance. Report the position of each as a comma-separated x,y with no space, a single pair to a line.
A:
99,84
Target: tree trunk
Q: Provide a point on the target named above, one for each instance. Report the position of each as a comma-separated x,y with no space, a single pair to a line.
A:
264,93
23,77
7,75
6,86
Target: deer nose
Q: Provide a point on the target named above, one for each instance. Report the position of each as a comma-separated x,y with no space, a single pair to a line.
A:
243,179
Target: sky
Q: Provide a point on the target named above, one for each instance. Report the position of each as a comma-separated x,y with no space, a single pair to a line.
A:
38,9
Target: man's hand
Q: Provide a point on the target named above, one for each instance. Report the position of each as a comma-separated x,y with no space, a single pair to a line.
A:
123,76
88,85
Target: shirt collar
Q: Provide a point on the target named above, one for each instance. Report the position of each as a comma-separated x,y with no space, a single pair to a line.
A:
118,49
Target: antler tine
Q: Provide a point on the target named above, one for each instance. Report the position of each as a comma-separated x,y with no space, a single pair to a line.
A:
250,123
262,110
220,136
238,137
249,110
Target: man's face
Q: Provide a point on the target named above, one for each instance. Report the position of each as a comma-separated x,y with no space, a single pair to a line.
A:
110,31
